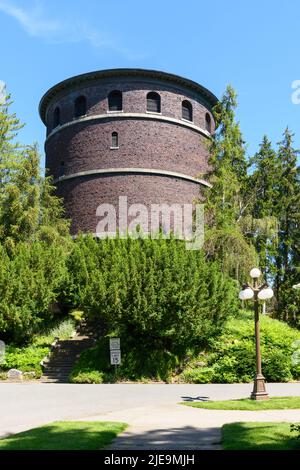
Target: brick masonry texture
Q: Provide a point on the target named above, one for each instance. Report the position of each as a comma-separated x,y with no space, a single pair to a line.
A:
83,195
143,143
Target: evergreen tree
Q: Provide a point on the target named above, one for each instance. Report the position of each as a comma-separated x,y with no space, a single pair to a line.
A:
225,202
287,209
34,241
228,146
29,210
260,222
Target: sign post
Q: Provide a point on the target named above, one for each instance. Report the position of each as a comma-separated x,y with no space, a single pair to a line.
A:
115,352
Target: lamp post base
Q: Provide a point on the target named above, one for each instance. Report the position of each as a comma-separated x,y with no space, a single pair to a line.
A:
259,389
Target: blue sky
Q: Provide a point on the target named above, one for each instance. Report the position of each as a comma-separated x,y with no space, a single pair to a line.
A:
254,46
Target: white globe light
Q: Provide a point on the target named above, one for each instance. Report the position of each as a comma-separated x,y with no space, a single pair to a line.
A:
266,293
246,294
255,273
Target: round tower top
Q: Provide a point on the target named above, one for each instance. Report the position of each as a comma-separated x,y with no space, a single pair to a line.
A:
124,73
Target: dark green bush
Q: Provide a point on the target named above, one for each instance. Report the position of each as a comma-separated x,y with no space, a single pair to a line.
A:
138,363
154,293
31,278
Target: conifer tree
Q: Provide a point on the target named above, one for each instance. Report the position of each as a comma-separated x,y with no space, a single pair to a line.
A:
262,195
225,203
287,209
29,210
34,239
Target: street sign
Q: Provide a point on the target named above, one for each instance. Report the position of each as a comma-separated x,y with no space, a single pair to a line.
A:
115,357
114,343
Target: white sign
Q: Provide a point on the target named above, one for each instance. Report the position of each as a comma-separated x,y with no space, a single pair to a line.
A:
114,343
115,357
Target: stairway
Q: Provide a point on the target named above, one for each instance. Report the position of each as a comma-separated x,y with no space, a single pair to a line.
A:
61,361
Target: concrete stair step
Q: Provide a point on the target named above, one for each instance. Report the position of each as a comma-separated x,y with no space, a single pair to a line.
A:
55,381
58,376
65,355
61,361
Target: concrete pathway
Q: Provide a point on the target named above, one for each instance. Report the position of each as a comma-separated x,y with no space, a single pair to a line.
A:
180,427
152,411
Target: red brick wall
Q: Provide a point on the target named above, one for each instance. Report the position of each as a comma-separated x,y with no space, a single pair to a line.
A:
143,143
83,195
134,100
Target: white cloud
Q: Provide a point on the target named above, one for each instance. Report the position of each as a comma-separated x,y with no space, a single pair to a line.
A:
35,23
31,20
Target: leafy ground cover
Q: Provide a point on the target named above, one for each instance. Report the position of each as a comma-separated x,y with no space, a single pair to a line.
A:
28,358
230,358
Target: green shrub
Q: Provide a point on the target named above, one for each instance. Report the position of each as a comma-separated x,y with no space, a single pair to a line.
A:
31,278
77,315
155,293
3,375
200,375
92,377
277,366
231,357
296,428
29,357
93,364
137,364
25,359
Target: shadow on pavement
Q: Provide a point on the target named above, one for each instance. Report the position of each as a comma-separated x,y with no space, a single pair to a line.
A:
183,438
195,398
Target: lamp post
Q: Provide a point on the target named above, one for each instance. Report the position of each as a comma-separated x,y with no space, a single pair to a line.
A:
257,292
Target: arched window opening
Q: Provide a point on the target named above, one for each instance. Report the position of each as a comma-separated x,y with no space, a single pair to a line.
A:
114,140
153,102
207,122
56,117
80,106
115,101
187,110
62,169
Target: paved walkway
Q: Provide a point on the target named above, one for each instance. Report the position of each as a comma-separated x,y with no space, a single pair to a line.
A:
171,427
152,411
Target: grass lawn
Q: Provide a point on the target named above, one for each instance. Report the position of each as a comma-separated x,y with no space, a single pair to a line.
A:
275,403
259,436
65,435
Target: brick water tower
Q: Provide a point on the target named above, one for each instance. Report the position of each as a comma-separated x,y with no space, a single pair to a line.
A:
126,132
